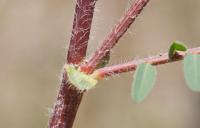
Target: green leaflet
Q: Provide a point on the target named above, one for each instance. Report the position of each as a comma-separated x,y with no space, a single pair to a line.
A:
143,83
104,61
176,46
81,80
191,66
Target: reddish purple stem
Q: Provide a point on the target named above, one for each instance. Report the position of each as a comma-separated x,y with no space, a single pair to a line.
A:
69,97
81,31
116,33
131,66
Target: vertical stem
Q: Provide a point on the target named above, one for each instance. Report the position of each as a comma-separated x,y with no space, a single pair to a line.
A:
69,97
81,30
66,105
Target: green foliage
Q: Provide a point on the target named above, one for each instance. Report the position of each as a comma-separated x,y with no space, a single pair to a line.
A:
104,61
176,46
80,80
191,66
143,83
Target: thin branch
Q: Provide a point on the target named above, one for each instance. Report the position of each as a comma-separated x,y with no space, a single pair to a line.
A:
116,33
69,97
131,66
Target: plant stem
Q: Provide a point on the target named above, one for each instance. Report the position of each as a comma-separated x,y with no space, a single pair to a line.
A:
69,97
66,105
116,33
131,66
81,31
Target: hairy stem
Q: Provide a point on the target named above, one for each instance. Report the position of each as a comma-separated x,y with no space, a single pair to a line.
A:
81,31
69,97
116,33
131,66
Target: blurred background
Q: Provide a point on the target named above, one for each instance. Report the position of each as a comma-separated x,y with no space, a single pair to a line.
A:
34,35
